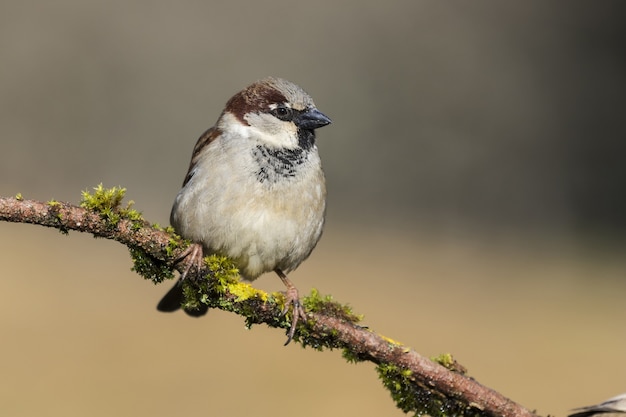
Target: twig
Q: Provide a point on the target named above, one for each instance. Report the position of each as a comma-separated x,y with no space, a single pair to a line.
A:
417,383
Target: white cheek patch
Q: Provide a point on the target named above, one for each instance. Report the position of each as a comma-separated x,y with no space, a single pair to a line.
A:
271,131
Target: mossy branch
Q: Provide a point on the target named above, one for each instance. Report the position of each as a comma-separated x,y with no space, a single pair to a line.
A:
438,387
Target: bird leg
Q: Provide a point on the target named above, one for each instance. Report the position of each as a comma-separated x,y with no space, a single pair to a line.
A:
292,298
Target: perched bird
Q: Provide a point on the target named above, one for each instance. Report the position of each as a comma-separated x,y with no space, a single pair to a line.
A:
613,407
255,190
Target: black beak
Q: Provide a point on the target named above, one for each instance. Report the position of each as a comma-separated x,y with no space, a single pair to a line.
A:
311,119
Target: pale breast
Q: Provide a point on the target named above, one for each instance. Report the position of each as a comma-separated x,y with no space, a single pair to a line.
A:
263,208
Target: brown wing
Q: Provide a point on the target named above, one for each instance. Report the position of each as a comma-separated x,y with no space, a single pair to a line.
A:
203,141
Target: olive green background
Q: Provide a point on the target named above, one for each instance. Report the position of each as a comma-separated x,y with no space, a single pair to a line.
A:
476,202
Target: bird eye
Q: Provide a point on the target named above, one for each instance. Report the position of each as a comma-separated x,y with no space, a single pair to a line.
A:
283,113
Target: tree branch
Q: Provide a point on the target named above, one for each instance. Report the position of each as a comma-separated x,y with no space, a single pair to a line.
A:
418,384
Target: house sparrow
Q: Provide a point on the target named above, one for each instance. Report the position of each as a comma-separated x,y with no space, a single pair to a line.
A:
255,189
612,407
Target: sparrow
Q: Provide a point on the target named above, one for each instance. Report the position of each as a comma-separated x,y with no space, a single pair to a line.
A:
612,407
255,189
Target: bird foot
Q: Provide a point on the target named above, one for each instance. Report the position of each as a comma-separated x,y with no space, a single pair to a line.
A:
292,299
193,257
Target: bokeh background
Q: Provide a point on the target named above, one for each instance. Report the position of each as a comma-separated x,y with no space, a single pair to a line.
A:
476,172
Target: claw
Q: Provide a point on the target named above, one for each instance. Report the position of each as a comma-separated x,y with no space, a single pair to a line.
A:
193,257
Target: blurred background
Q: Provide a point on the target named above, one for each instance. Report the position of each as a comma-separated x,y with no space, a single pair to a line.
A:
476,204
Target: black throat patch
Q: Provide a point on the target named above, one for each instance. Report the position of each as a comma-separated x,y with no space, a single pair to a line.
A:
306,138
277,164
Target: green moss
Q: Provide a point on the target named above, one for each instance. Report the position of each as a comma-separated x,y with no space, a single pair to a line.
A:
317,303
223,271
148,267
172,245
412,397
108,203
446,360
195,293
223,277
222,267
167,229
399,384
133,215
55,208
351,357
103,198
